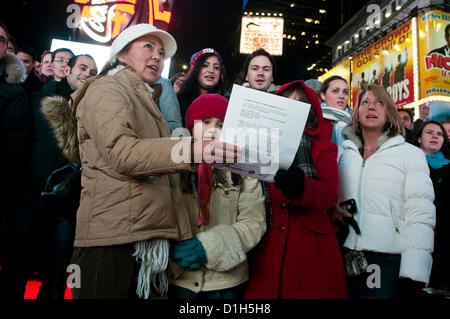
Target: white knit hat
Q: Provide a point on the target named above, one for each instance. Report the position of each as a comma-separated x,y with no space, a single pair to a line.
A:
138,30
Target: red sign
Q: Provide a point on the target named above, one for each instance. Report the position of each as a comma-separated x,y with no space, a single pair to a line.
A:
103,20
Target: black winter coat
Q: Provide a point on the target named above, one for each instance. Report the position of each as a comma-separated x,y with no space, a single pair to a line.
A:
440,276
15,129
46,155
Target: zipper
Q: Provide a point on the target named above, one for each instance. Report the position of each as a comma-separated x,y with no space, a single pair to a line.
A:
359,216
394,219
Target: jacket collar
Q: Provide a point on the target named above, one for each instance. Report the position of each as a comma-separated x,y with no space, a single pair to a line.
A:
352,140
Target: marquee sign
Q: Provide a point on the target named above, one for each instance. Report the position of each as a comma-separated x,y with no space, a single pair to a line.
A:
103,20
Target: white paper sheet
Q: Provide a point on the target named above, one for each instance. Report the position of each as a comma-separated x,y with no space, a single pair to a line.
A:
267,126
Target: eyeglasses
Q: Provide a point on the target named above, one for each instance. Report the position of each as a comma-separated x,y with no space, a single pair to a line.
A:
61,60
366,103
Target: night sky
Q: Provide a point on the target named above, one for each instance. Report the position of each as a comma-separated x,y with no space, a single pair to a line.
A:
195,24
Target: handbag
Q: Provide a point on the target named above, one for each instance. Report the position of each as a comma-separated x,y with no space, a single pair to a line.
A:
63,183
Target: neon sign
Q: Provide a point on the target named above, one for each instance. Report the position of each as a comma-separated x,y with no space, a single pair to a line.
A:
103,20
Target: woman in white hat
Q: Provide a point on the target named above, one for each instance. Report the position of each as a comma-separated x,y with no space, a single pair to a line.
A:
130,203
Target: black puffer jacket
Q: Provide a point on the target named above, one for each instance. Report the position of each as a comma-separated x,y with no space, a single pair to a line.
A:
440,276
15,128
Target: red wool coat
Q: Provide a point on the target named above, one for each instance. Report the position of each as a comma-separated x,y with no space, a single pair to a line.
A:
299,256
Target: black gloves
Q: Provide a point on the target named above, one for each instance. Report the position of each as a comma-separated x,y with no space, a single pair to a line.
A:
291,182
411,289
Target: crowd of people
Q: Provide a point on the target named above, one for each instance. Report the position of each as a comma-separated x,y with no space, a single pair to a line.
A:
91,180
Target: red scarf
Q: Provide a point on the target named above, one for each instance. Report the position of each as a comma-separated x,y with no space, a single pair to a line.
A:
204,193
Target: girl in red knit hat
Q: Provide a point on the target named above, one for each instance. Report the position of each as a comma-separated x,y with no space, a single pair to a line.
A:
227,216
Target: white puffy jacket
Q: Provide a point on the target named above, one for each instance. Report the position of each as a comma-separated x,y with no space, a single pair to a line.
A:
394,196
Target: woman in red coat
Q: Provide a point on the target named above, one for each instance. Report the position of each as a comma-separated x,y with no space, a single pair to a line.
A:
299,257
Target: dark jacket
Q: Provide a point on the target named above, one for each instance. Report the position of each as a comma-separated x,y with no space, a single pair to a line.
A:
46,155
32,83
15,126
440,277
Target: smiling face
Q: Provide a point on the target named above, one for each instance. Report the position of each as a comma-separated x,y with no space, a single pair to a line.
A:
83,69
372,114
336,95
146,57
209,74
431,139
259,73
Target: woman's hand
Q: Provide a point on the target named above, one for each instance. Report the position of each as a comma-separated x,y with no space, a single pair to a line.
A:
213,151
337,214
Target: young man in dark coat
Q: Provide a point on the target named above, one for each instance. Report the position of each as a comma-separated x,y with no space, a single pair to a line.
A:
46,225
15,138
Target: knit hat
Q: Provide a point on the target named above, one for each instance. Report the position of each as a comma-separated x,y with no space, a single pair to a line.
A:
314,84
138,30
206,106
198,54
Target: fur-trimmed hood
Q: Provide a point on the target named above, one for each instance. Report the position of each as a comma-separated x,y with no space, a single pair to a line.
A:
59,114
350,134
14,70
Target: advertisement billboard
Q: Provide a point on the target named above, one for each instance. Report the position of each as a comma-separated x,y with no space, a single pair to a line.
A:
434,53
343,70
262,32
389,63
102,20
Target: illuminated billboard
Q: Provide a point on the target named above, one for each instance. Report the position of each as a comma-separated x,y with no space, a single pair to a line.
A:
434,54
103,20
389,63
262,32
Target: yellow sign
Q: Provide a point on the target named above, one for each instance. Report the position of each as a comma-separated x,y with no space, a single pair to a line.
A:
389,63
343,70
262,32
434,53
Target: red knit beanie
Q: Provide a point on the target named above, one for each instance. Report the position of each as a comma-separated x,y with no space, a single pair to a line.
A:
206,106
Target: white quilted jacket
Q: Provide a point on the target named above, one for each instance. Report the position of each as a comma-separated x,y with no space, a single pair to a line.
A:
394,196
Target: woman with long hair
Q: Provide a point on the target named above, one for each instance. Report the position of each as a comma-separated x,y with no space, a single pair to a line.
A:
207,75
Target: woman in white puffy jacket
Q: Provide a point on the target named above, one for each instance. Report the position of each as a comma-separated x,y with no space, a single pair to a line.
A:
389,180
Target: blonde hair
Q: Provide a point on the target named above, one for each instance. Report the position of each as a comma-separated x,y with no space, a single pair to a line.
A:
393,125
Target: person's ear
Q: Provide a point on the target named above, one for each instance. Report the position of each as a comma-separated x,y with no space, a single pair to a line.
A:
66,70
122,58
322,96
419,140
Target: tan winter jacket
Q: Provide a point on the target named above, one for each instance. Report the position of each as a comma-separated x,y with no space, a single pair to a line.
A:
130,191
236,225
